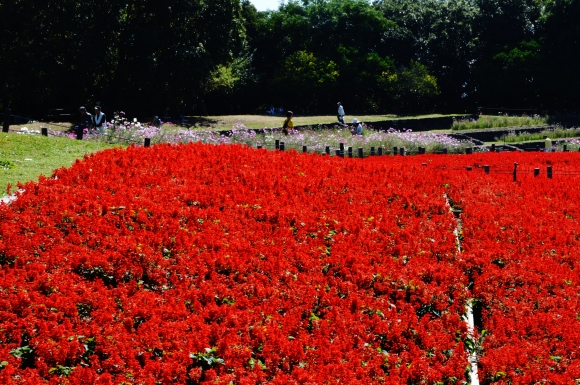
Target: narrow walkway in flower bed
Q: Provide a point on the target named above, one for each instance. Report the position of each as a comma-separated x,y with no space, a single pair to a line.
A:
472,341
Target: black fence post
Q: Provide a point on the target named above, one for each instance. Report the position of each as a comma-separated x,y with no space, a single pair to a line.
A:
536,171
402,151
550,172
515,171
304,149
493,147
277,144
259,146
350,152
469,150
486,169
372,151
360,152
395,150
327,150
147,142
44,131
281,146
380,151
445,151
6,125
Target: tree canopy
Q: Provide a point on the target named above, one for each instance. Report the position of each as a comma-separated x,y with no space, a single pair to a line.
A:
156,57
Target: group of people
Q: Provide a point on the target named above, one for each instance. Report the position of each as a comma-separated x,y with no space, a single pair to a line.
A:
289,124
98,121
275,111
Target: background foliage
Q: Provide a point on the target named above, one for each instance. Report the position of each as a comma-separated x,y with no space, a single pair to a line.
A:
155,57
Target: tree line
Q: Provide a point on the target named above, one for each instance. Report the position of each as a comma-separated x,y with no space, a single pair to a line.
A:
166,57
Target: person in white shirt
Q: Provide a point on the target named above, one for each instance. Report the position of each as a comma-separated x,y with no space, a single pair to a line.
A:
548,144
99,120
359,128
340,113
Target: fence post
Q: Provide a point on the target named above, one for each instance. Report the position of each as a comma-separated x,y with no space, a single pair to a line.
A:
445,151
341,146
147,142
304,149
402,151
372,151
350,152
281,146
395,150
486,169
259,146
550,172
421,150
515,171
469,150
469,168
493,147
565,148
277,144
536,171
6,125
327,150
360,152
44,131
380,150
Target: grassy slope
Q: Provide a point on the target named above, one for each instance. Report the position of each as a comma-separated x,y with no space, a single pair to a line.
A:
25,157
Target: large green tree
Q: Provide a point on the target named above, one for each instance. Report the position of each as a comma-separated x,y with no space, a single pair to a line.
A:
508,33
438,34
149,56
561,55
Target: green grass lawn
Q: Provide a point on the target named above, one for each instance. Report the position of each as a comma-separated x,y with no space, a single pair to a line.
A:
25,157
226,122
490,121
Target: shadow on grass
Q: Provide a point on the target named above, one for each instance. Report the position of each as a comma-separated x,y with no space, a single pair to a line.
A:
200,122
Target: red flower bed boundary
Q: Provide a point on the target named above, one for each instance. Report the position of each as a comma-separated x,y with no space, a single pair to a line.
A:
199,264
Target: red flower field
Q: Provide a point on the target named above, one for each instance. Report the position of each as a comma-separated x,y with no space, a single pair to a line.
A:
199,264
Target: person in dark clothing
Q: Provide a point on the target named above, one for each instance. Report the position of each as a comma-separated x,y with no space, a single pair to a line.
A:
86,120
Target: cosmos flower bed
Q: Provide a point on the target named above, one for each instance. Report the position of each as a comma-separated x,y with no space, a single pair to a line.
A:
222,264
201,264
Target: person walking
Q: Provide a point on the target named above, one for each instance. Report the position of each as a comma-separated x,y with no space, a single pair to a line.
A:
340,113
288,123
548,144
